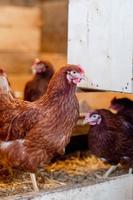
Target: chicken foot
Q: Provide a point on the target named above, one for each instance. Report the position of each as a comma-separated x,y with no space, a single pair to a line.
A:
130,171
110,170
34,182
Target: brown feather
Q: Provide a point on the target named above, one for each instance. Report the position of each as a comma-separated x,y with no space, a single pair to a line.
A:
45,124
35,88
111,139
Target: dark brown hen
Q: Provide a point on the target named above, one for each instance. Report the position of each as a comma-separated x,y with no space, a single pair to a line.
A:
39,130
109,137
124,108
35,88
120,104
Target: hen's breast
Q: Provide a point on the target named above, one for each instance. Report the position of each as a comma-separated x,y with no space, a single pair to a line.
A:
53,131
104,143
97,145
69,113
7,114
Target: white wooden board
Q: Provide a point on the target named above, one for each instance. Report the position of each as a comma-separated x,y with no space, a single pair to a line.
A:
100,38
120,188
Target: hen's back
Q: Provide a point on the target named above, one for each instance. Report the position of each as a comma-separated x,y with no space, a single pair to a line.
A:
35,88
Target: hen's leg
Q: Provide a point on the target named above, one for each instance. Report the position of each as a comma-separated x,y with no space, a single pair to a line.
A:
34,182
130,170
110,170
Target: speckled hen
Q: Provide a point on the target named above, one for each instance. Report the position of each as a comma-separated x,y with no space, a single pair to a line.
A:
37,131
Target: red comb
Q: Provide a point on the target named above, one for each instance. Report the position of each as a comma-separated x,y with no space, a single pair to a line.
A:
82,70
37,60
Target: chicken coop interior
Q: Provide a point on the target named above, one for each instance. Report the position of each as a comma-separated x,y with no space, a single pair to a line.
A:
66,99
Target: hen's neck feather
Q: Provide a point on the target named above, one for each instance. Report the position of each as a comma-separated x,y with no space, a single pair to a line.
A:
43,75
59,88
61,111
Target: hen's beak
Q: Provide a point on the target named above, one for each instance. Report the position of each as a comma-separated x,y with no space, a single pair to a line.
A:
77,78
33,70
112,108
83,77
86,120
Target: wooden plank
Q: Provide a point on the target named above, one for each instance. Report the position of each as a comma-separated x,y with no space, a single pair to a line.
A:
100,39
18,63
54,31
21,40
98,100
19,2
11,16
57,59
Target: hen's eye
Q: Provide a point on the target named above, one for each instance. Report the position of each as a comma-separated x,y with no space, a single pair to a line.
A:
73,72
94,116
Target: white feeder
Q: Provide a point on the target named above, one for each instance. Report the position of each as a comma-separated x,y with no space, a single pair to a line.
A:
120,188
100,38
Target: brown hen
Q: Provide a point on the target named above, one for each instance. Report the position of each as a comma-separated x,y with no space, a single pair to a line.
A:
35,88
109,137
124,108
37,131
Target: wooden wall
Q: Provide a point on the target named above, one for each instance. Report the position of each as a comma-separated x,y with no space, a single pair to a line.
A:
28,28
19,37
20,2
54,29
